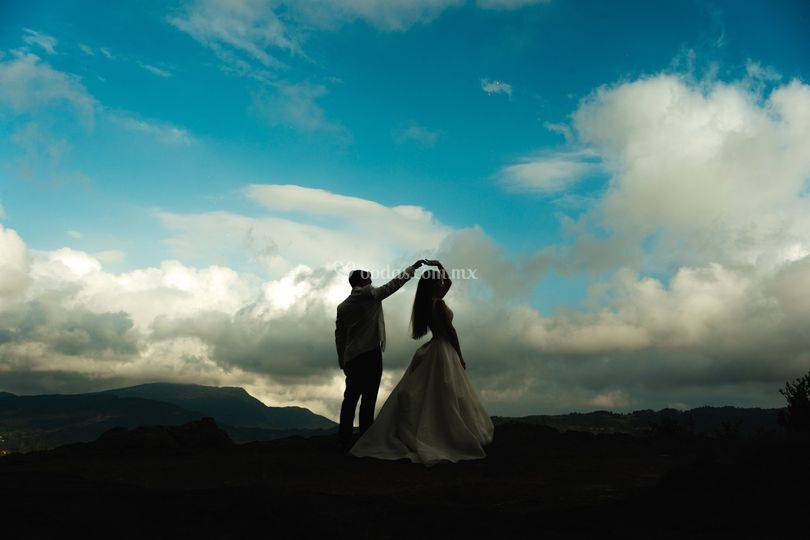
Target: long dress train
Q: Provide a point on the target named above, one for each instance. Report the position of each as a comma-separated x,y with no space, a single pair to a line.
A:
432,415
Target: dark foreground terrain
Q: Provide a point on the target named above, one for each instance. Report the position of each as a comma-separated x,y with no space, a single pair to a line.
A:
191,480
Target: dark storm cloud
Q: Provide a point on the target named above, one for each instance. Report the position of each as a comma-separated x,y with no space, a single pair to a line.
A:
68,331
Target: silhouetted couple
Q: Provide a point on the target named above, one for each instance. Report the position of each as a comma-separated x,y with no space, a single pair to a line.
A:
433,414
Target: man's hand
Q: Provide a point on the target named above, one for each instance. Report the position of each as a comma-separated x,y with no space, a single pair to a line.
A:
418,263
433,262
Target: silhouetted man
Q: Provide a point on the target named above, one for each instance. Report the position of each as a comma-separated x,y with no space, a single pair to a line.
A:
360,340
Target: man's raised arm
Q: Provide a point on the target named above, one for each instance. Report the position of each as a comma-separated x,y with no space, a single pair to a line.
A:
383,292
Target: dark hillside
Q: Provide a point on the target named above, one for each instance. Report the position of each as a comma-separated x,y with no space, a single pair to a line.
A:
701,420
41,422
536,482
228,405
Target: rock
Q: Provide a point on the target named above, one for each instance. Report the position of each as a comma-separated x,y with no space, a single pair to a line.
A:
197,436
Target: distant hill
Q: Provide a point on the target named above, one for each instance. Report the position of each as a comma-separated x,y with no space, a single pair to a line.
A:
41,422
227,405
46,421
700,420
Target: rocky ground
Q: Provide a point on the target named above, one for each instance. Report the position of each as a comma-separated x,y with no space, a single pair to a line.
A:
536,482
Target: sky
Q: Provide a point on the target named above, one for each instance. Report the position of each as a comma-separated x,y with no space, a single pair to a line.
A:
185,185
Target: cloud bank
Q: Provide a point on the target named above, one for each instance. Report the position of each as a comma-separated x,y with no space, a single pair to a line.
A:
697,253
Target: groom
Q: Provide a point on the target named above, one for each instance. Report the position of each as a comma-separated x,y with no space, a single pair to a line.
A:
360,340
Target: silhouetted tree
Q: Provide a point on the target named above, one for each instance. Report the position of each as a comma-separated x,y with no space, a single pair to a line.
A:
796,416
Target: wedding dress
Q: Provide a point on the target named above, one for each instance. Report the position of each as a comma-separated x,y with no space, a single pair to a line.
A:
432,415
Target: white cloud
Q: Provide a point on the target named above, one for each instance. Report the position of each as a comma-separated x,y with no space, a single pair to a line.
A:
708,182
496,87
106,53
255,38
86,49
295,105
707,188
406,223
391,15
144,294
709,334
13,265
39,100
508,5
241,32
712,177
41,154
755,70
562,129
611,400
248,26
45,42
256,27
160,131
260,30
44,104
113,256
549,174
80,321
718,173
416,134
295,233
74,234
27,85
154,70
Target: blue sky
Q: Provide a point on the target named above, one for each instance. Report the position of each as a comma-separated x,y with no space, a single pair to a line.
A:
168,108
374,82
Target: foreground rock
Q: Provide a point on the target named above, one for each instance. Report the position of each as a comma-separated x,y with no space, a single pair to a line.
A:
536,482
199,436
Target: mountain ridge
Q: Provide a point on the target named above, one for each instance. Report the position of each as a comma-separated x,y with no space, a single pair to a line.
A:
231,405
45,421
702,419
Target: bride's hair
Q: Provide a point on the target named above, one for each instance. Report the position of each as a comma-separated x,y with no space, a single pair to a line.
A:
429,283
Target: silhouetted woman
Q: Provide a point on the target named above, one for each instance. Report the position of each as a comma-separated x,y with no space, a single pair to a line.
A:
433,414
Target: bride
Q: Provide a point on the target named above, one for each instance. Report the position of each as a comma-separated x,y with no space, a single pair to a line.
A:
433,414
